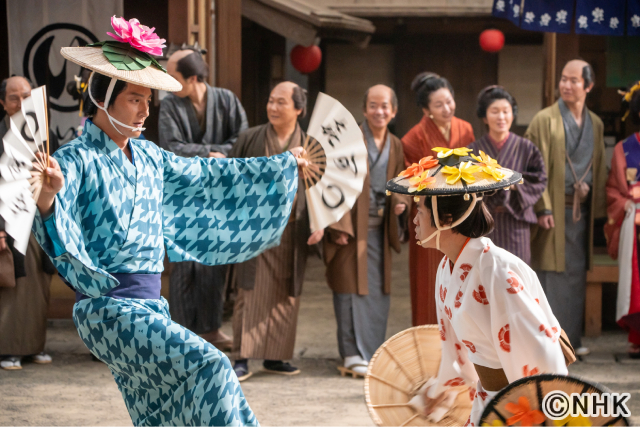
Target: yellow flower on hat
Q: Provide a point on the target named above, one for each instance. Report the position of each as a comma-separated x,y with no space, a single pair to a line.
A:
489,166
446,152
420,182
485,160
465,172
573,421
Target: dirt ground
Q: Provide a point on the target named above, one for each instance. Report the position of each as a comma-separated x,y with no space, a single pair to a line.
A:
74,390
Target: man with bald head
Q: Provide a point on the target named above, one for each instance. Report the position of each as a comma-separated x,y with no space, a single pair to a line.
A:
203,121
23,308
571,140
357,249
265,315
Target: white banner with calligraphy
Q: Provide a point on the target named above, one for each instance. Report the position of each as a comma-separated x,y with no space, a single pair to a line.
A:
37,31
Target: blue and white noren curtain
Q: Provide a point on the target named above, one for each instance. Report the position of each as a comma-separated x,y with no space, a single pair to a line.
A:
598,17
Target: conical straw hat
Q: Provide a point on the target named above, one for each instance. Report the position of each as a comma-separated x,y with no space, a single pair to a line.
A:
397,371
93,59
453,172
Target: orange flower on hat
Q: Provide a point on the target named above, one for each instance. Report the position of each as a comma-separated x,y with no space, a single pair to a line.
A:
464,172
523,413
420,182
446,152
417,168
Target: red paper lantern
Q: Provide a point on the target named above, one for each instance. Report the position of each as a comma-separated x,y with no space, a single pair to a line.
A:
491,40
306,59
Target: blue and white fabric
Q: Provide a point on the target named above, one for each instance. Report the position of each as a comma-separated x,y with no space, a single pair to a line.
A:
115,216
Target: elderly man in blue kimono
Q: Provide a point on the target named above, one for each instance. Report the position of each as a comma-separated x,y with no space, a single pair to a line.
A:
110,205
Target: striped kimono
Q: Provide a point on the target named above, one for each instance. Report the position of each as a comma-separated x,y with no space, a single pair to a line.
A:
114,216
512,210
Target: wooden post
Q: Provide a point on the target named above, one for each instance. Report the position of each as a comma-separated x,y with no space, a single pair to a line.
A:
548,96
228,35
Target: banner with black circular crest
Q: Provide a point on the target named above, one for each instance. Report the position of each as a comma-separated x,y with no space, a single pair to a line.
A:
37,31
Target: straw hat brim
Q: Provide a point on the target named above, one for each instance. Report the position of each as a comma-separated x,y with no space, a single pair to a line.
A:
93,59
483,183
396,372
534,389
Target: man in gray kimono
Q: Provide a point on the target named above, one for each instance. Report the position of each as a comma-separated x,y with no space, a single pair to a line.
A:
204,121
571,140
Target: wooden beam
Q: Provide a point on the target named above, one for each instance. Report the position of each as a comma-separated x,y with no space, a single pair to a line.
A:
279,22
549,90
228,49
178,22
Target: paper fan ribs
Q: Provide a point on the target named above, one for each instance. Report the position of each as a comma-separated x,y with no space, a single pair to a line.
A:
337,158
25,157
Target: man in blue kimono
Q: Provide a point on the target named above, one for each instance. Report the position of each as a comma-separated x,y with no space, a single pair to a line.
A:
110,206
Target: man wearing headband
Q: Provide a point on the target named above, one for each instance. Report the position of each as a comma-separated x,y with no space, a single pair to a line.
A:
495,323
571,140
110,206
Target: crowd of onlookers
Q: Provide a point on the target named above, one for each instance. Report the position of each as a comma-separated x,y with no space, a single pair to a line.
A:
547,221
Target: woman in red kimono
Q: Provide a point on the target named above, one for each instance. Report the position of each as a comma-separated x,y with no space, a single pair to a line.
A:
621,230
438,128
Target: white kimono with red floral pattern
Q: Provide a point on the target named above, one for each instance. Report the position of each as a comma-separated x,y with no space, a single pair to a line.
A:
492,312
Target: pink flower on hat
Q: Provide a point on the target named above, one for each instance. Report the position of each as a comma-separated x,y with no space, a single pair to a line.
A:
139,36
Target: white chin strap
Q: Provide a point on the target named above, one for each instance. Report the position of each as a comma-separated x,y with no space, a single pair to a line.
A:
107,98
434,209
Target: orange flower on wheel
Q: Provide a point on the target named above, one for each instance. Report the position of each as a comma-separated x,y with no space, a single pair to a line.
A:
523,413
418,168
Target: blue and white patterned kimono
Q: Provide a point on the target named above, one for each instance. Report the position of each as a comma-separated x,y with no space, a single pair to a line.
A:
114,216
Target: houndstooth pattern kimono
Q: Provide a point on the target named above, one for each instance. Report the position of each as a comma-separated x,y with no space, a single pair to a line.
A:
115,216
492,312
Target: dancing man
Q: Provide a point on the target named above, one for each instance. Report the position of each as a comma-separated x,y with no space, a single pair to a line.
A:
110,205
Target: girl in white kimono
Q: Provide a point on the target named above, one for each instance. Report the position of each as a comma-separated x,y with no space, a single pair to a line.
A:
495,323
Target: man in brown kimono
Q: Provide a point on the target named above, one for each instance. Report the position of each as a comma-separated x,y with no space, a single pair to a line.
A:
23,308
269,286
357,249
571,140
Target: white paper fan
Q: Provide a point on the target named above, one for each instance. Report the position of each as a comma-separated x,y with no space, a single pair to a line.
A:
21,176
338,162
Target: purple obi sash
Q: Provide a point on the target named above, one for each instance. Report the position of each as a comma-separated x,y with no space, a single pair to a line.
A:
132,285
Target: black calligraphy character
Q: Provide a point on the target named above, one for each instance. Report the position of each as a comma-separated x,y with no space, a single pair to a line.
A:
339,125
344,162
26,131
15,167
333,189
332,135
19,205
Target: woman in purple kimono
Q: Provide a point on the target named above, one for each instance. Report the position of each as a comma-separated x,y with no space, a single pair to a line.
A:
512,210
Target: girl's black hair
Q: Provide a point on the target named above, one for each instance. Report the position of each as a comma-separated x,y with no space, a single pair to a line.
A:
99,86
489,95
451,208
424,84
